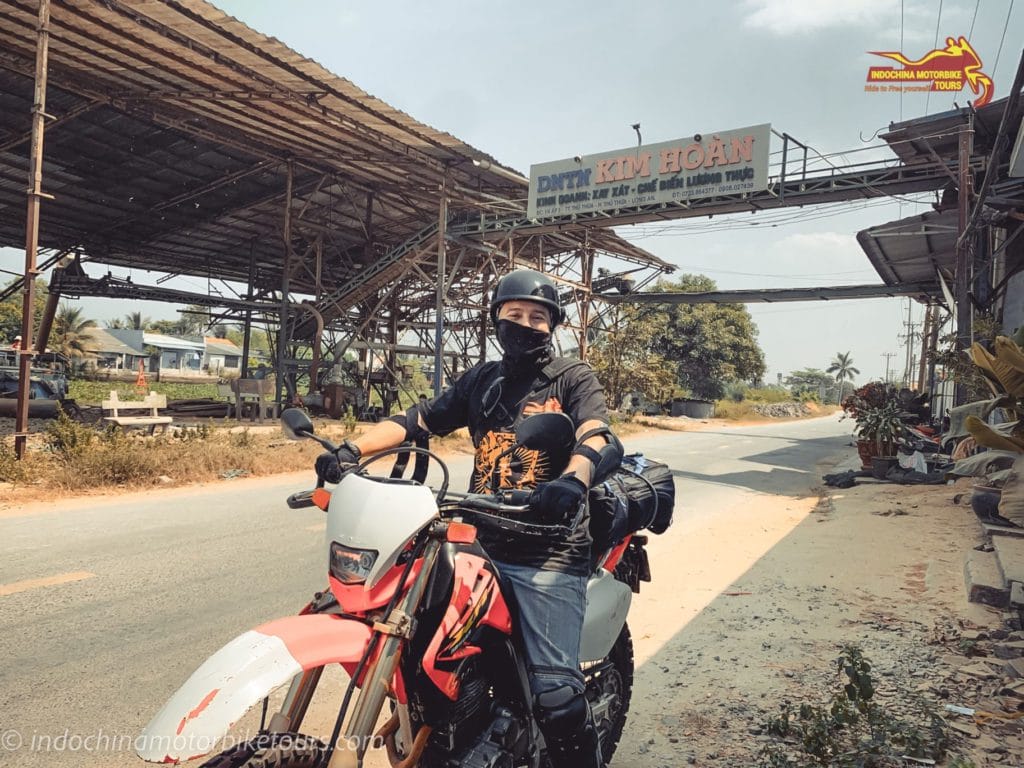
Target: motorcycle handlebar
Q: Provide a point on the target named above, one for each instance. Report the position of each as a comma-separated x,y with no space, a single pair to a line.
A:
301,500
512,502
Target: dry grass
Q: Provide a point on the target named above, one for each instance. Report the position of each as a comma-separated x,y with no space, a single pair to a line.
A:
71,458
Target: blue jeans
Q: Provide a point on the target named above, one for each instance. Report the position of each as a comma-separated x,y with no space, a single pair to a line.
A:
549,615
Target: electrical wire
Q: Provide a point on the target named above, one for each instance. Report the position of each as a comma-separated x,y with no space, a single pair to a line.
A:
970,35
1009,11
764,221
938,21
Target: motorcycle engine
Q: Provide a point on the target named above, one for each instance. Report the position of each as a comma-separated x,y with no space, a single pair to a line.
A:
456,724
501,745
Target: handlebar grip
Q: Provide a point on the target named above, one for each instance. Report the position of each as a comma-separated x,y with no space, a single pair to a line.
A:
516,497
301,500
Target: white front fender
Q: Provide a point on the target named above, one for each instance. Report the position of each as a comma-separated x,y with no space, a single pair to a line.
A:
240,675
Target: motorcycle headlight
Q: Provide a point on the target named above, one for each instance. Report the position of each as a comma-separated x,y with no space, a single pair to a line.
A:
351,566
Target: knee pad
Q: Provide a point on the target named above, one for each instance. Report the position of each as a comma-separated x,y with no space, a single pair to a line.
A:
561,713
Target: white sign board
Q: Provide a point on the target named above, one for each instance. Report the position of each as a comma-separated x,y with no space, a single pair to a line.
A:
704,165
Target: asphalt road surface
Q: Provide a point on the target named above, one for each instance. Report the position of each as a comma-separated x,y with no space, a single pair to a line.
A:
106,606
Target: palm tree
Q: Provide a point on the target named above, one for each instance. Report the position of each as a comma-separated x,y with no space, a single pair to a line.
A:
136,321
843,368
71,332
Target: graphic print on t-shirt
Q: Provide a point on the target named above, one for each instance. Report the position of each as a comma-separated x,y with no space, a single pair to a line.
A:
522,468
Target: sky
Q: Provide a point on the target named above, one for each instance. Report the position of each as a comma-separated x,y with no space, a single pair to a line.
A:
529,82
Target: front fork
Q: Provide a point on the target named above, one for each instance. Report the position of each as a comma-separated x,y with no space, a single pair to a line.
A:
300,693
397,628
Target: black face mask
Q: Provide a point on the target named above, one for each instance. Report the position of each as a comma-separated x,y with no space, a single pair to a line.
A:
525,348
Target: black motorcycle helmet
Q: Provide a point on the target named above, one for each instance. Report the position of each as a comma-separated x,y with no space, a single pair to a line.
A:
528,285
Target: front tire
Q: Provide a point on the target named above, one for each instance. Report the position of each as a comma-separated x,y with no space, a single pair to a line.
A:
272,750
609,691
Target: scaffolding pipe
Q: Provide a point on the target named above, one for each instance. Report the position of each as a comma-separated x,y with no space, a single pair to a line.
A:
35,193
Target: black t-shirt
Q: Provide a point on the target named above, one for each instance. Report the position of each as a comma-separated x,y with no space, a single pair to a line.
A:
491,405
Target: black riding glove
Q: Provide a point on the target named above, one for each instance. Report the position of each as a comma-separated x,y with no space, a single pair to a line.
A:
331,464
557,502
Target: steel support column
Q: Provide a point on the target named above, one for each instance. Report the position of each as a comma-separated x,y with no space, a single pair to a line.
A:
247,324
282,333
588,276
442,225
35,193
962,276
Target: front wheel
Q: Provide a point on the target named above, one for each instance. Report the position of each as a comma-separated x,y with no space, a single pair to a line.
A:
609,690
272,750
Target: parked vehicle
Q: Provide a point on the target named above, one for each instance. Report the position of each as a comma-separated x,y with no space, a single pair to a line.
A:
48,385
416,615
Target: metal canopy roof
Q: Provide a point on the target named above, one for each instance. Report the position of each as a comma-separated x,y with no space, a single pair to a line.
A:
914,249
920,139
174,126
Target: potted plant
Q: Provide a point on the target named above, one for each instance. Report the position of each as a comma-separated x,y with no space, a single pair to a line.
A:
883,427
863,406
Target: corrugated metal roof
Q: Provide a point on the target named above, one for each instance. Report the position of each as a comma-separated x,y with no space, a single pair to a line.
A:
221,347
101,341
914,249
175,125
171,342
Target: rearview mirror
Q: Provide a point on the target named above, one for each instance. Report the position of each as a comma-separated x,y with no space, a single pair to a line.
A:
296,424
551,432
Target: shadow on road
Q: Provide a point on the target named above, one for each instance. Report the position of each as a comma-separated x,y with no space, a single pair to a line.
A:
788,464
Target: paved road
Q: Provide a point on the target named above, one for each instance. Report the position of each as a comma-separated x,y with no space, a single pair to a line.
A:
105,608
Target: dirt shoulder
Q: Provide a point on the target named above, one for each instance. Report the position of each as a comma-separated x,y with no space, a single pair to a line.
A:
201,451
878,566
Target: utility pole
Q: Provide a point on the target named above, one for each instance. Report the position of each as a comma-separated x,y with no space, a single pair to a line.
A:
926,335
908,338
888,356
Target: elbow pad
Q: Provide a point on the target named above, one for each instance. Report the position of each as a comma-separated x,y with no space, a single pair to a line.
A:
607,459
410,422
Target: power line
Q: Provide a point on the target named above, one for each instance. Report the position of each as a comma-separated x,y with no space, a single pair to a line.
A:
901,50
1001,39
970,35
934,45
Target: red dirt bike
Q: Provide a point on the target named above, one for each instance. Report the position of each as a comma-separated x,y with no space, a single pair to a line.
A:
416,616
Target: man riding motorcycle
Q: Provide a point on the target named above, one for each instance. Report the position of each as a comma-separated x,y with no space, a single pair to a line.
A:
548,579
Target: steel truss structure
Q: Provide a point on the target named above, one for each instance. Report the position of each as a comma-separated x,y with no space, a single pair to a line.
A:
181,142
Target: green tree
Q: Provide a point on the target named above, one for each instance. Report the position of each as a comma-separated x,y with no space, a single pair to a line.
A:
709,344
843,369
809,381
257,337
10,312
623,359
70,334
195,319
192,322
168,327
